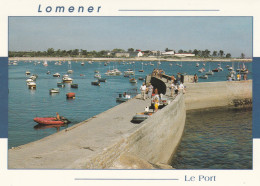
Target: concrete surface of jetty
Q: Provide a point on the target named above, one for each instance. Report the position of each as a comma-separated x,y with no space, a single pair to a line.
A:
110,140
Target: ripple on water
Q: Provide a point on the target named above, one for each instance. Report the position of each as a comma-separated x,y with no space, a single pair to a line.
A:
220,138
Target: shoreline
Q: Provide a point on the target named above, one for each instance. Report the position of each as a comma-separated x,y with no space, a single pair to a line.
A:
129,59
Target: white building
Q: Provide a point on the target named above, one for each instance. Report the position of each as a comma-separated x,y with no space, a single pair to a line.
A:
184,55
168,53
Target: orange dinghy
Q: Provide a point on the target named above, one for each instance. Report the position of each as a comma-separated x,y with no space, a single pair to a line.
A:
50,121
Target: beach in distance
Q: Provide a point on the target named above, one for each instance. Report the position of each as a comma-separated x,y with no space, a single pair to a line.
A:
130,59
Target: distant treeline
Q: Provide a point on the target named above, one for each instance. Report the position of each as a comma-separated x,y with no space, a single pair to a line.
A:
106,53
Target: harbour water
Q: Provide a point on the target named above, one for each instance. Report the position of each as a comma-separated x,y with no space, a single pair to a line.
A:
219,138
25,104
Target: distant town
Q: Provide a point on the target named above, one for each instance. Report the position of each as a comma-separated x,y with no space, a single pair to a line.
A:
129,53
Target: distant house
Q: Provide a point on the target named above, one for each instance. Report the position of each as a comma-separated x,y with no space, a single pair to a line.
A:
168,53
137,53
184,55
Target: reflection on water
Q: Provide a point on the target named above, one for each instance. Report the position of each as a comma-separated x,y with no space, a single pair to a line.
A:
57,127
216,139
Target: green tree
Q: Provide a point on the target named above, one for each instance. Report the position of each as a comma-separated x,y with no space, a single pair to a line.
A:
50,51
180,51
130,49
228,55
242,56
196,52
221,53
215,53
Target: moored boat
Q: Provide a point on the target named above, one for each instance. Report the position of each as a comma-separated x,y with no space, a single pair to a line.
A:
96,83
203,77
132,80
60,84
67,79
31,85
140,117
56,75
54,90
27,72
74,86
70,95
51,121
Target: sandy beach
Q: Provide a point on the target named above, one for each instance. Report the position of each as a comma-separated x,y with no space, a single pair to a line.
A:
126,59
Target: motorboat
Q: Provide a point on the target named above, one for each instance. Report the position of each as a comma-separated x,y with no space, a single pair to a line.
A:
33,77
140,117
48,72
97,76
96,83
132,80
29,80
197,64
51,120
70,71
129,72
209,73
123,98
141,78
31,85
201,70
66,79
74,86
27,72
60,84
96,71
71,95
216,70
82,63
102,79
203,77
54,90
56,75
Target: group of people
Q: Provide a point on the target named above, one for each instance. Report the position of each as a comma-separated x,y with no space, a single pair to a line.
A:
158,73
176,88
147,89
238,77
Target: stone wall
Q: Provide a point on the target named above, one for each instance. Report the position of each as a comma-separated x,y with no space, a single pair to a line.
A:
215,94
154,142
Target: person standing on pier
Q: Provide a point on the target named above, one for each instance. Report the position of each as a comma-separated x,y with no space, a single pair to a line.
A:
150,90
143,90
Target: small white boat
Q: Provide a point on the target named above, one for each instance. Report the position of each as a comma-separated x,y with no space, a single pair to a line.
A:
129,72
27,72
209,73
45,63
54,90
56,75
97,76
132,80
70,71
29,80
204,77
197,64
66,79
31,85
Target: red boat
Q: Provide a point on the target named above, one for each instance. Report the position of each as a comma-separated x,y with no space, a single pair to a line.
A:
51,121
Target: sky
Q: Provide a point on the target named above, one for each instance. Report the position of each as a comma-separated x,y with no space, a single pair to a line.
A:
230,34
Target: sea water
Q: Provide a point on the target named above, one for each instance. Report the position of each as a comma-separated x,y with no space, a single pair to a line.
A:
25,104
219,138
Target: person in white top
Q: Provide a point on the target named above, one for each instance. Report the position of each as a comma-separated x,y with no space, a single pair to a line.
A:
181,88
143,90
